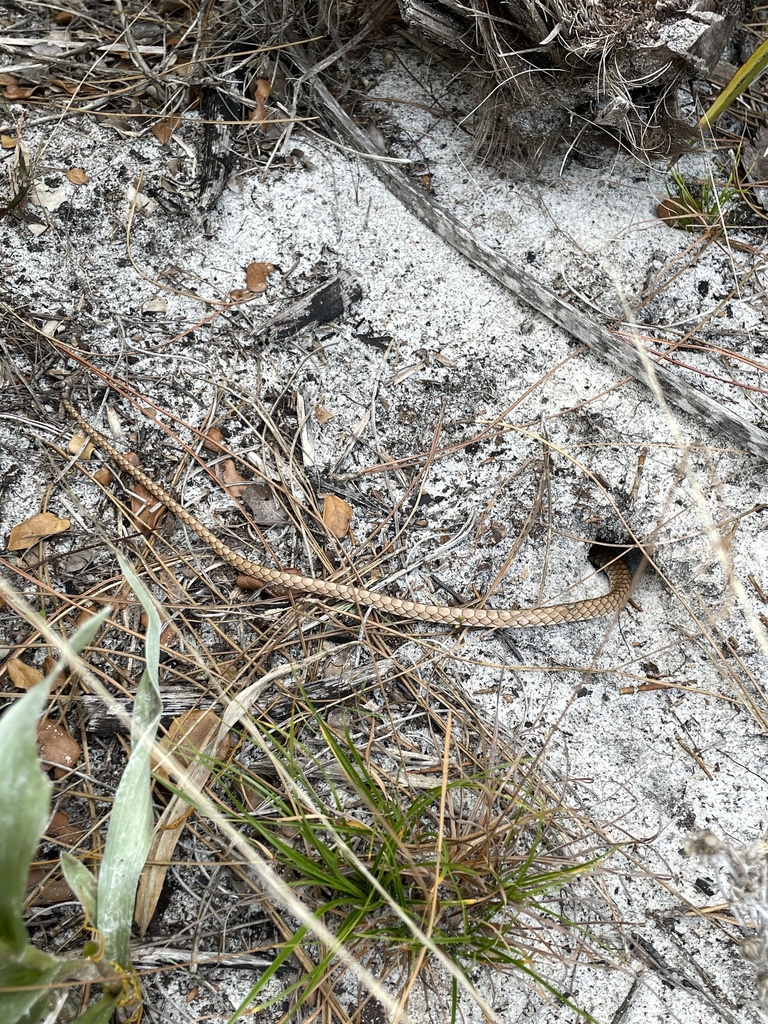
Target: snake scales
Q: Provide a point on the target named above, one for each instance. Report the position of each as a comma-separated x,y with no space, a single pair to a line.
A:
616,570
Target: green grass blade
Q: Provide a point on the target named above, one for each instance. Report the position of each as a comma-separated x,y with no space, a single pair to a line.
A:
101,1012
742,80
130,828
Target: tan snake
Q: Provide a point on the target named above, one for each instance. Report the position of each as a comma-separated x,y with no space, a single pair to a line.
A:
616,569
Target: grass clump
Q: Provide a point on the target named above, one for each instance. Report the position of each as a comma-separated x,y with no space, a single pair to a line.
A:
467,868
701,205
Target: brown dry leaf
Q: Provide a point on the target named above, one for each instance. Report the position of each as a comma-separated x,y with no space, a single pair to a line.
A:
260,94
337,515
163,130
238,295
251,583
54,890
13,91
671,211
322,415
169,636
7,141
187,735
58,747
61,829
77,176
81,446
256,275
22,675
213,440
173,819
81,88
44,524
84,615
146,509
229,476
103,476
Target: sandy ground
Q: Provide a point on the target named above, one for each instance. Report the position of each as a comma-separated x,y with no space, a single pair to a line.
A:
434,343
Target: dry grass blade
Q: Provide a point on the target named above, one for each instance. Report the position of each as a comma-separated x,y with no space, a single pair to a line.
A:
444,803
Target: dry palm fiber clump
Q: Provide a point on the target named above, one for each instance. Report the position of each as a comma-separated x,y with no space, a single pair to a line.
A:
548,70
552,70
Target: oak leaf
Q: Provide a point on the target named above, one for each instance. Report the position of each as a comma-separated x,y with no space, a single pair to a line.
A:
337,515
256,275
22,675
229,476
44,524
58,747
77,176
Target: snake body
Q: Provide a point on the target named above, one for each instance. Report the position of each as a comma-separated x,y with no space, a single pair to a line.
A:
616,569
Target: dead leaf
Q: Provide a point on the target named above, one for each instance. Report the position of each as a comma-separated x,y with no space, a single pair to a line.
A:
156,305
173,819
13,91
80,88
249,583
229,476
238,295
274,589
22,675
103,476
163,130
62,831
322,415
84,615
337,515
48,198
54,890
187,735
256,275
52,327
57,747
140,202
77,176
44,524
7,141
213,440
81,446
260,94
264,505
146,509
169,636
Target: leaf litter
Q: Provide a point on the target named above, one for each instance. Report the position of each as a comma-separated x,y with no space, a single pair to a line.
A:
453,352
